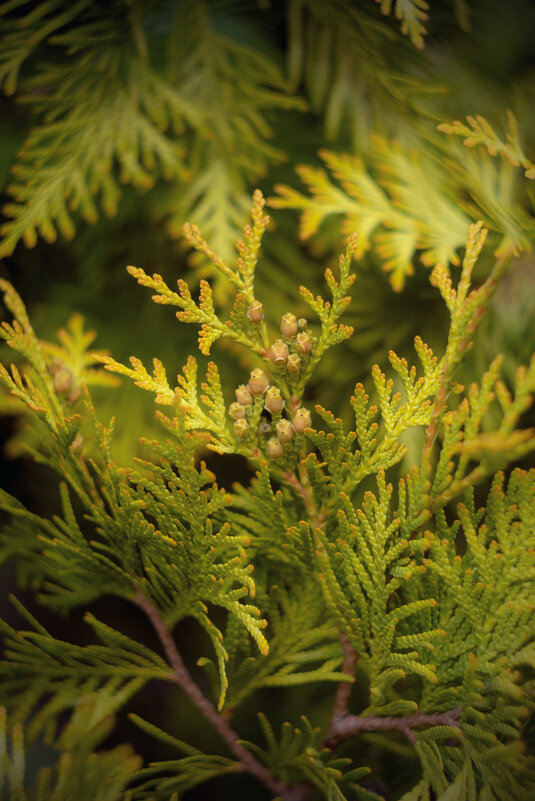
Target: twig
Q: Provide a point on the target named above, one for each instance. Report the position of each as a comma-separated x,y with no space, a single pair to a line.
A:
182,677
304,490
351,657
352,725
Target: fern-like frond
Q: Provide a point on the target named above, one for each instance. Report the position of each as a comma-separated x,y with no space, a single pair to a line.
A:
194,768
44,675
69,163
299,652
297,756
413,15
115,112
488,621
26,31
480,132
346,59
401,204
79,771
385,208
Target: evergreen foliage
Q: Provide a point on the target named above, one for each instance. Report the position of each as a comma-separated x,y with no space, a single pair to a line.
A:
122,120
152,93
336,567
356,620
385,208
112,113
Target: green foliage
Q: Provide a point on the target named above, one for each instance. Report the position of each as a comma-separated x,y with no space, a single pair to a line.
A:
124,104
412,16
298,754
481,133
126,515
371,587
120,121
109,674
386,209
355,559
79,771
492,612
177,95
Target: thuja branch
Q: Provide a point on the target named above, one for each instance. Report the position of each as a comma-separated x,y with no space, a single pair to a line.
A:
345,727
350,726
183,678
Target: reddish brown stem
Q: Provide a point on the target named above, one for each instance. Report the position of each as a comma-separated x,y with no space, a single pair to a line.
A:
352,725
182,677
341,701
304,490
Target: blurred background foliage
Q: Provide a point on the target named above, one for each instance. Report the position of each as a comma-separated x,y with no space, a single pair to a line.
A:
122,119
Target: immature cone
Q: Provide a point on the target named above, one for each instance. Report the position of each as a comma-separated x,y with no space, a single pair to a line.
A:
289,325
274,402
62,375
303,342
236,411
263,429
293,365
284,431
301,420
274,448
278,352
258,382
74,394
255,312
302,323
243,396
64,381
241,427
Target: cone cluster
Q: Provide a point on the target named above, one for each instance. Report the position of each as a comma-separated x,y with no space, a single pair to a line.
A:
284,429
295,344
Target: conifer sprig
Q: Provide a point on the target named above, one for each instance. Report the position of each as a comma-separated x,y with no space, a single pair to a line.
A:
413,15
290,359
480,132
329,311
381,199
241,277
113,102
80,771
386,210
122,514
432,605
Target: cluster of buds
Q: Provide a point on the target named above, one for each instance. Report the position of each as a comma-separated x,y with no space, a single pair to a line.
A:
258,385
286,431
295,345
